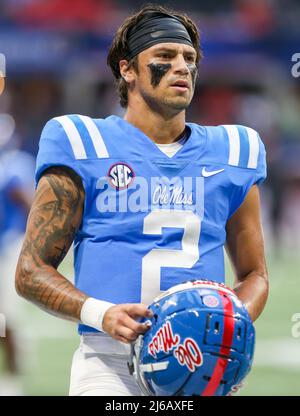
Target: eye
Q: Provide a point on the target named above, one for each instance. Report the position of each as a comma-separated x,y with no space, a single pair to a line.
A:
165,56
190,59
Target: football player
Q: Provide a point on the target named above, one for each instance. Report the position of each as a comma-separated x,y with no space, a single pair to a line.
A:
149,200
16,193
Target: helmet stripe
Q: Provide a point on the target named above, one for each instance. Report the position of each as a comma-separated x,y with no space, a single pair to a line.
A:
221,364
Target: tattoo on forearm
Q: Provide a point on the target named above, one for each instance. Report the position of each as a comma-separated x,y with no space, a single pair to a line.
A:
52,224
63,251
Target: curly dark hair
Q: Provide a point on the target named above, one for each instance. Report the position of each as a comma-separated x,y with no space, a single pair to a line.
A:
119,46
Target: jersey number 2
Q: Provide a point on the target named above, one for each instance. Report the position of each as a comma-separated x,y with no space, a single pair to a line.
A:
158,258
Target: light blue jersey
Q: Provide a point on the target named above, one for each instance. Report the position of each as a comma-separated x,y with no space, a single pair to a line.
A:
17,173
151,221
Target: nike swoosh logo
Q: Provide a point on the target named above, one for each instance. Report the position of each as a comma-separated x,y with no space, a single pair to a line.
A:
211,173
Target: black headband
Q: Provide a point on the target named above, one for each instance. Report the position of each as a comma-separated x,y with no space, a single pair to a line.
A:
156,28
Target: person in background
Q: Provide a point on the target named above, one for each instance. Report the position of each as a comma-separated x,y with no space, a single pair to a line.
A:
16,194
2,73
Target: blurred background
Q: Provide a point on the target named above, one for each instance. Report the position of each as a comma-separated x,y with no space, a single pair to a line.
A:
56,63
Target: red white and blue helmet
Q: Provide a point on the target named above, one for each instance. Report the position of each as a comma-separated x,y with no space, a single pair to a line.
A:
200,343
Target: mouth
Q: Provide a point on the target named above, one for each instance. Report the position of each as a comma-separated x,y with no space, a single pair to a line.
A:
181,85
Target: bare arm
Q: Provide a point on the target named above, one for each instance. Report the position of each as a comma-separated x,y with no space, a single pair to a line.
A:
245,247
54,218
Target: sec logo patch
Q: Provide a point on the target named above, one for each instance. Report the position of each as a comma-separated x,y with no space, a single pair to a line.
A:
120,176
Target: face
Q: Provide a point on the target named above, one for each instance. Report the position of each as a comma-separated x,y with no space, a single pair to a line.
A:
166,76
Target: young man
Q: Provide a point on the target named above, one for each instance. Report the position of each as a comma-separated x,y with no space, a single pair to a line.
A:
149,201
16,194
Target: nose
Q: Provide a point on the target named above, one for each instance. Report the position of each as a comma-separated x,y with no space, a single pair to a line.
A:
180,65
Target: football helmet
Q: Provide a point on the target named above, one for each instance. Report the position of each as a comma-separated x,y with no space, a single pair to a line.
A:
200,342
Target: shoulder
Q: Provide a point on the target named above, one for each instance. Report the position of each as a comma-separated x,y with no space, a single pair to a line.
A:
69,125
77,134
236,145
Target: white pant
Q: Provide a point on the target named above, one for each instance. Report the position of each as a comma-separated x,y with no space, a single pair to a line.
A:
99,368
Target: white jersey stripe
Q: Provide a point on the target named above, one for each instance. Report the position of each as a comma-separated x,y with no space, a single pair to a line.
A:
96,137
253,148
73,136
234,145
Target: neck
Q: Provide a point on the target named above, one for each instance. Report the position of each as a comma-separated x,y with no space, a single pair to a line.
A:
157,126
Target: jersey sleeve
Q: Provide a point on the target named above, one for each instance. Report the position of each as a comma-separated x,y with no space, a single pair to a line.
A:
261,169
56,148
246,159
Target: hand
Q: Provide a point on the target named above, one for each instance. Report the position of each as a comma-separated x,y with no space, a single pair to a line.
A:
120,323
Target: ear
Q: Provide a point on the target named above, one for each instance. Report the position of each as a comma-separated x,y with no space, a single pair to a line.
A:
127,71
2,83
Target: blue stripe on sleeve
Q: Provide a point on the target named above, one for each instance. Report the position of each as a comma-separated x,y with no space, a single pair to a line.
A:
244,147
85,137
